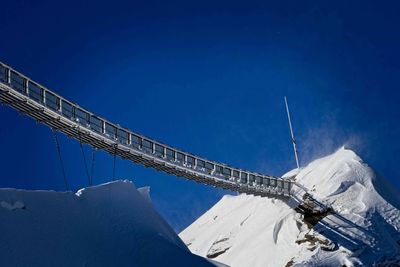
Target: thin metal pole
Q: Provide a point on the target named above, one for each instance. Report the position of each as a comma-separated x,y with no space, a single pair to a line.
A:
292,134
115,159
60,158
84,160
92,171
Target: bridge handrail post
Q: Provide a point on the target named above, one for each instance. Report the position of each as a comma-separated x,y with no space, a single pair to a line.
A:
26,87
8,73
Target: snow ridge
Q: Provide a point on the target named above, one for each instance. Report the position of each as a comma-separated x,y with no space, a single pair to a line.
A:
112,224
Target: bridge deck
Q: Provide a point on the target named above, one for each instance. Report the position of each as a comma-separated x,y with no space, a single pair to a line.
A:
45,106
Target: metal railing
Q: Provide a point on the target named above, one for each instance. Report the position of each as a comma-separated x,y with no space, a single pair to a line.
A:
35,100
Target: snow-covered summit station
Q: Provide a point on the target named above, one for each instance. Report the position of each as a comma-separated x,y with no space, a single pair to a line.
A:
45,106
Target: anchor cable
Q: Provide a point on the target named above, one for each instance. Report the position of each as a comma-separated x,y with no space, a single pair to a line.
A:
115,158
57,143
93,159
84,160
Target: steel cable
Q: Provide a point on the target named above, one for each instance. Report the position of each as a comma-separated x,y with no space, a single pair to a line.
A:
115,158
84,160
93,159
60,158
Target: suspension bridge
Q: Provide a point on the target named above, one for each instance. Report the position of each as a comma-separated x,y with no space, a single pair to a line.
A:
61,115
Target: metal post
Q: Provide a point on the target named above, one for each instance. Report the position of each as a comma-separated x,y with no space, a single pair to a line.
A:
59,105
26,87
44,97
60,109
115,159
292,135
8,75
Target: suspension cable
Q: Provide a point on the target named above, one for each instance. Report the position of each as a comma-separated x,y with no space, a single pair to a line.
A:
57,143
115,158
92,170
84,160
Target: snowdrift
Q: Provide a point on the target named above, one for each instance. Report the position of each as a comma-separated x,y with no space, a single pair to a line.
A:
362,230
108,225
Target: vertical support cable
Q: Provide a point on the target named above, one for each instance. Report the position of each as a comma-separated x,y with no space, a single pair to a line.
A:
60,158
291,133
92,170
84,160
115,159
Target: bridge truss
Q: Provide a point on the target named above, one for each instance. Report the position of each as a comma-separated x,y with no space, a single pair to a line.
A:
45,106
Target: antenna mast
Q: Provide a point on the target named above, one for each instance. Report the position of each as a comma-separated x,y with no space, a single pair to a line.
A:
291,133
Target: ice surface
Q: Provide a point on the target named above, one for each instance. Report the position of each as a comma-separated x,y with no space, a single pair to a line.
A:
106,225
268,232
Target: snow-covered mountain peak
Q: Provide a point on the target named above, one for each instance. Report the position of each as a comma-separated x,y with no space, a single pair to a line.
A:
326,175
363,229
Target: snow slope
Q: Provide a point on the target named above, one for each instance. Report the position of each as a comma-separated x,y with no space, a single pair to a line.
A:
108,225
253,231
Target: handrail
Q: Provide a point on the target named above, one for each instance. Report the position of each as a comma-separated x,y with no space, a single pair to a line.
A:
52,103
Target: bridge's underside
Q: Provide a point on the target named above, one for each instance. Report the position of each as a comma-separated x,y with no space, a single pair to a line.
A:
15,92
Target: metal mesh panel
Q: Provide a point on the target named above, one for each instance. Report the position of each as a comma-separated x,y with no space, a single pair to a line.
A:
159,150
147,146
122,136
82,116
52,101
190,160
209,167
136,141
96,124
110,130
219,169
227,172
243,177
200,163
170,154
3,74
35,92
67,109
180,157
17,82
252,178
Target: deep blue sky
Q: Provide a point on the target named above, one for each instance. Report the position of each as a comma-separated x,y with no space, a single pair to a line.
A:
208,78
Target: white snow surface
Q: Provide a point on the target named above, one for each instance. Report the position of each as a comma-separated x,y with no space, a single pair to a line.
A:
252,231
112,224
